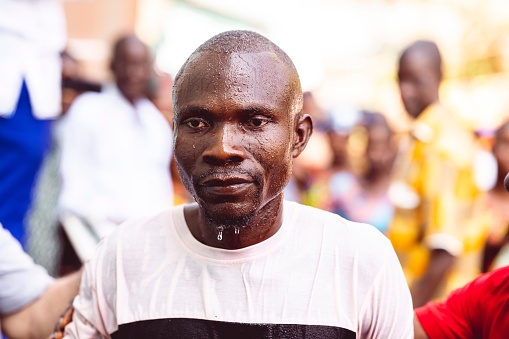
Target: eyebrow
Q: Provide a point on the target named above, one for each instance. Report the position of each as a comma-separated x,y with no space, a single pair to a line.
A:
204,112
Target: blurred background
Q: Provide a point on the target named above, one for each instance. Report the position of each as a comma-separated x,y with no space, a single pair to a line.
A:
347,54
345,51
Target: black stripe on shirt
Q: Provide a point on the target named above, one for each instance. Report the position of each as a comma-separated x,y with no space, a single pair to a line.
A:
209,329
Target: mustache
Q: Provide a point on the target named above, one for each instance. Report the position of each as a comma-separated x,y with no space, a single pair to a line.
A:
221,173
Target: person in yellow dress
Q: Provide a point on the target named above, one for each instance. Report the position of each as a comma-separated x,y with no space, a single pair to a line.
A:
433,188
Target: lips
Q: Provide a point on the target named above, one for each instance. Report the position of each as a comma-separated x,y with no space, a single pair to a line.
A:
223,182
226,185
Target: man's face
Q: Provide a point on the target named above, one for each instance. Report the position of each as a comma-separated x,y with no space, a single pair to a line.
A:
132,69
234,132
379,149
418,83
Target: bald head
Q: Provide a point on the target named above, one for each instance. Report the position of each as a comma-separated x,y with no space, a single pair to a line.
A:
426,50
131,65
231,43
420,74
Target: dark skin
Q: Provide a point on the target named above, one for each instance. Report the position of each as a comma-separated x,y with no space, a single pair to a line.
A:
419,80
238,126
380,153
132,67
419,77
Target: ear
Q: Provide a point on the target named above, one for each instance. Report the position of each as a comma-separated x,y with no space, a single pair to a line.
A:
302,133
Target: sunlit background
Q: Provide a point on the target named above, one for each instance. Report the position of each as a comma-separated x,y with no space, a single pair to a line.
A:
346,51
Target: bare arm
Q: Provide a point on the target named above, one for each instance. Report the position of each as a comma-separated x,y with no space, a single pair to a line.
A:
418,330
439,264
38,319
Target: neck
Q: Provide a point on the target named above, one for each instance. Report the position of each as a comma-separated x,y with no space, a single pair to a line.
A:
130,98
264,224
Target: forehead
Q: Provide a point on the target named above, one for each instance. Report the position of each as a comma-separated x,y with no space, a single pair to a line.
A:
416,62
132,49
244,79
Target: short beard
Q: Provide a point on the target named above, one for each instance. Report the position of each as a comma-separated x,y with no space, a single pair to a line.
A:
225,223
228,221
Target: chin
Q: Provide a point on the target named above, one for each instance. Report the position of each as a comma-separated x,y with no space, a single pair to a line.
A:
229,214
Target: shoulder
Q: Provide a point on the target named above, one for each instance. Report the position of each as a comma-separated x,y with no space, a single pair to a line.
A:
155,117
454,141
134,233
350,238
88,106
492,283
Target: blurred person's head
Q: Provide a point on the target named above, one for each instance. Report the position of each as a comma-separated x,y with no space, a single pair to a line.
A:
419,76
501,149
380,147
131,65
341,122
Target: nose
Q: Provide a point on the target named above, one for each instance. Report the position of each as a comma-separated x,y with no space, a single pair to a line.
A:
224,146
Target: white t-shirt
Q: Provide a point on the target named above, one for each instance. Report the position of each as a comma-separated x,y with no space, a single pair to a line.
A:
319,276
115,161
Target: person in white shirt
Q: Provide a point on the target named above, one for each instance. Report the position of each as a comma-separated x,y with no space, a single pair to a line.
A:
116,147
241,262
32,34
30,300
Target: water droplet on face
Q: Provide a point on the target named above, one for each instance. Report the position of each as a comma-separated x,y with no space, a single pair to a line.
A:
194,146
220,233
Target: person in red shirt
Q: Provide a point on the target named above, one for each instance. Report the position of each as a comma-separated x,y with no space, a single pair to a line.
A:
480,309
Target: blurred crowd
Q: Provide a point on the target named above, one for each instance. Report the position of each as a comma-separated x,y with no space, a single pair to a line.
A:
78,158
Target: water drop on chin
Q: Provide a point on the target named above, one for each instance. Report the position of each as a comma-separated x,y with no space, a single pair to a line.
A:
194,146
220,233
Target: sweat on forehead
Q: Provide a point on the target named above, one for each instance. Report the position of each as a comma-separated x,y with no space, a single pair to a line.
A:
244,42
240,42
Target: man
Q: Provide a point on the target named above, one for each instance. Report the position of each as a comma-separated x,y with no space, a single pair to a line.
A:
116,147
30,300
433,189
32,34
241,262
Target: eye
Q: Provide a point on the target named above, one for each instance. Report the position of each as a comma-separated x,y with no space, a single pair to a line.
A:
196,123
257,122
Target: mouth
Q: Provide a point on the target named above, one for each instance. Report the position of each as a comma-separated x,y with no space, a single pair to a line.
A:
224,182
226,185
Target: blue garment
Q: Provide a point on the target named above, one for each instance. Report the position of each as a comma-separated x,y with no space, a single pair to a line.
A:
23,142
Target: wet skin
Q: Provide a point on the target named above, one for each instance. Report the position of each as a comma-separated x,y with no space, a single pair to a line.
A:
237,129
419,82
